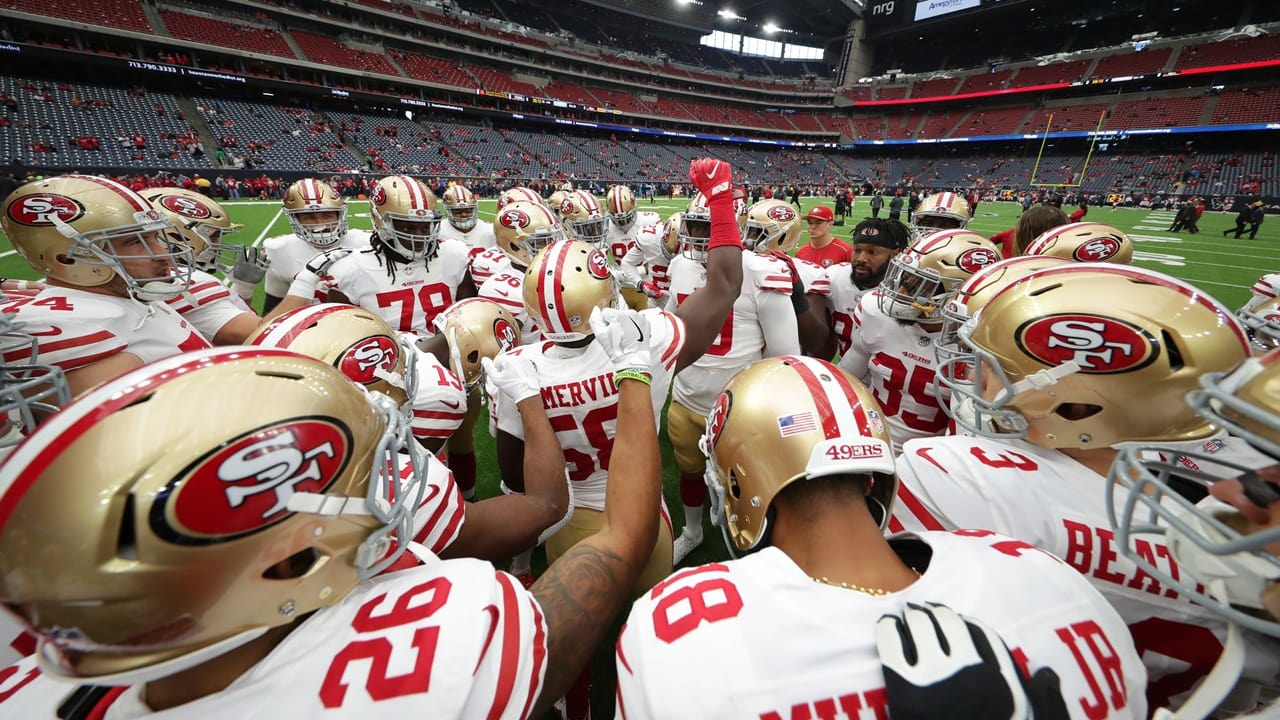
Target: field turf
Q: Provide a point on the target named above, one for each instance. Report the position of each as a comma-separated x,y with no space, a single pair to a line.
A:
1223,268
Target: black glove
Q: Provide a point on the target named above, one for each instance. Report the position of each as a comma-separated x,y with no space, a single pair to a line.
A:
939,665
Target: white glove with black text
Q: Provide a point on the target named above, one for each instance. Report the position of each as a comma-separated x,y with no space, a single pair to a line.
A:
514,376
624,335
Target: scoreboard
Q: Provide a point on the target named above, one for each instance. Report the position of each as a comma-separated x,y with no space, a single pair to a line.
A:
887,15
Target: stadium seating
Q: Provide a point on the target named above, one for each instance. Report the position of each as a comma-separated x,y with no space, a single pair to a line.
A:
1156,112
287,138
125,14
1237,50
201,28
434,70
327,51
1054,72
1132,63
1246,105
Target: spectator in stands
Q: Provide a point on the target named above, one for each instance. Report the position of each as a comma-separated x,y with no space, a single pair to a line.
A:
823,248
1037,221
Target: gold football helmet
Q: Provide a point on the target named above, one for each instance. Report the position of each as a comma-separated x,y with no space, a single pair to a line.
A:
671,235
201,221
620,203
582,218
922,278
1265,289
215,529
563,284
518,194
555,201
460,205
476,328
784,420
308,204
404,216
523,228
1087,355
1263,322
941,211
358,343
977,291
1084,242
739,205
772,226
1211,541
29,392
86,231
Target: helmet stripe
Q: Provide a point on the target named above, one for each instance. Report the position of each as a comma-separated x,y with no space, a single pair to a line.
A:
555,257
311,191
137,201
285,329
821,400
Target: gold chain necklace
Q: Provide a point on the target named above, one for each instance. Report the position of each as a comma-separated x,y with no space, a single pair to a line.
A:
876,592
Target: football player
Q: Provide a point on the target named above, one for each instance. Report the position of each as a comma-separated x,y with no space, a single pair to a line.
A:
406,275
1073,362
941,211
875,242
894,328
773,228
229,565
464,222
522,230
801,474
318,216
762,322
583,219
625,228
110,260
223,317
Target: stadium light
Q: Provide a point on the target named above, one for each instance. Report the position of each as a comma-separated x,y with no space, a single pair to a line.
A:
770,28
728,14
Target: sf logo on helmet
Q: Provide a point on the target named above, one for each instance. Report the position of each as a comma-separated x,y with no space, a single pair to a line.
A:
567,207
245,485
505,334
378,196
782,213
1097,249
362,361
186,207
1099,345
716,418
40,209
514,219
597,265
971,261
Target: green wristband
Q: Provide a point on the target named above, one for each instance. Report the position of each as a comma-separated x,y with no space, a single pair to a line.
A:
632,374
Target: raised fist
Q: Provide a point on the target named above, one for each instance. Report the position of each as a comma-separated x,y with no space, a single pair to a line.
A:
713,178
624,334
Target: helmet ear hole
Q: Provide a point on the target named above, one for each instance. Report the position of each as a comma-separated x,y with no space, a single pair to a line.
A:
734,488
64,259
127,537
294,566
1077,411
1176,361
473,356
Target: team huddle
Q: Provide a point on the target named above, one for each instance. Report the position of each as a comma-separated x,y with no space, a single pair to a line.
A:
954,484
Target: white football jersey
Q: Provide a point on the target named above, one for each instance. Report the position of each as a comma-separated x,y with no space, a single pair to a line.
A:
452,639
582,401
761,324
408,296
15,643
1042,497
843,297
506,288
440,405
441,513
74,328
617,243
647,255
289,254
814,277
896,361
758,638
479,237
490,262
207,304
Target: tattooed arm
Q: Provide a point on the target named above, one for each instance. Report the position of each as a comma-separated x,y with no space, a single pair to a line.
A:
582,592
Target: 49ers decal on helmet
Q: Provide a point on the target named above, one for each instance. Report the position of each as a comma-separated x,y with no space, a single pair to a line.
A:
597,265
782,213
244,486
1099,345
566,206
716,418
186,207
971,261
361,361
39,209
1097,249
506,334
378,196
514,219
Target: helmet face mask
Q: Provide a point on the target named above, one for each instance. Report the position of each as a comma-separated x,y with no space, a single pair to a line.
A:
460,206
404,217
621,205
1229,563
316,212
582,218
940,211
190,522
523,229
29,392
694,232
1263,322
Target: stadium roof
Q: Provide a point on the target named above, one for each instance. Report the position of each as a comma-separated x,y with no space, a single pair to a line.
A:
801,21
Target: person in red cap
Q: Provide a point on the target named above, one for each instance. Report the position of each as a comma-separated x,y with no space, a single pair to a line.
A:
823,248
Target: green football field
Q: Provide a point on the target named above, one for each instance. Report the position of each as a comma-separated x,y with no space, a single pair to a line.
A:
1224,268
